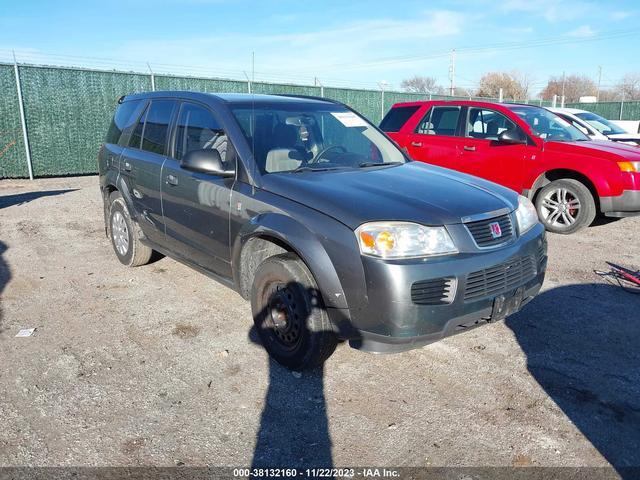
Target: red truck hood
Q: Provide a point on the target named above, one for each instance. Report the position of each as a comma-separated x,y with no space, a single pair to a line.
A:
597,148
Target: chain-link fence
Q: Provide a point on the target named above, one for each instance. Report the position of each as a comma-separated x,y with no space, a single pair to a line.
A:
63,113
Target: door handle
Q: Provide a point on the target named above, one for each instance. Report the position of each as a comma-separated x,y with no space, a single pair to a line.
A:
127,166
416,144
172,180
469,148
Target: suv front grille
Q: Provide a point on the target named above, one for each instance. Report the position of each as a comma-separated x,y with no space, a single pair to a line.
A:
438,291
482,233
502,278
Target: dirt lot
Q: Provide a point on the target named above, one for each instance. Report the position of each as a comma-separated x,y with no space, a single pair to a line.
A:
156,365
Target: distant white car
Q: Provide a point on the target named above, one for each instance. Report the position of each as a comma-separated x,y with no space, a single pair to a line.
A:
596,127
631,126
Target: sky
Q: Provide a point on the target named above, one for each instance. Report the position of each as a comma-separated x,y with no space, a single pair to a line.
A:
336,43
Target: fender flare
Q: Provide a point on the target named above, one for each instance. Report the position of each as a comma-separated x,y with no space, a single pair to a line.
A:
302,242
595,187
123,188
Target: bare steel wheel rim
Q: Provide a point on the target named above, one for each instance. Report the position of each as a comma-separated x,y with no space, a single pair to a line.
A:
284,316
120,233
560,208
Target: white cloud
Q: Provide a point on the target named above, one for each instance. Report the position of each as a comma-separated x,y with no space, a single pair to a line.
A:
304,52
621,15
550,10
583,31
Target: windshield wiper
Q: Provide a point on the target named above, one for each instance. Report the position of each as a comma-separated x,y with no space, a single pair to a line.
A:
377,164
311,169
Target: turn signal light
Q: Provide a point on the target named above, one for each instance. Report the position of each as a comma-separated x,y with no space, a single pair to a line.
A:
629,166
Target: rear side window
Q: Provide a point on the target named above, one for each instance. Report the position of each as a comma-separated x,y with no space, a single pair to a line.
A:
151,132
440,121
121,120
156,126
136,137
396,118
197,129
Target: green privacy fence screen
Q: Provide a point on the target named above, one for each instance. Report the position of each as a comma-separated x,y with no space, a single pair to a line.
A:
611,110
166,82
13,160
68,110
67,114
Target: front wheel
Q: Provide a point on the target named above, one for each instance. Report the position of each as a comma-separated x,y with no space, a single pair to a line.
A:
289,314
565,206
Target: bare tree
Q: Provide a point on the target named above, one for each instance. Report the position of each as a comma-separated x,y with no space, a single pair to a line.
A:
609,95
418,84
514,85
629,87
574,87
462,92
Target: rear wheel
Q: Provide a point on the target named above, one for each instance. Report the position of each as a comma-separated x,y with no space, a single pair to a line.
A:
125,234
565,206
289,314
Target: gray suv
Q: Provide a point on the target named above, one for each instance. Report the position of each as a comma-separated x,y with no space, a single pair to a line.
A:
318,218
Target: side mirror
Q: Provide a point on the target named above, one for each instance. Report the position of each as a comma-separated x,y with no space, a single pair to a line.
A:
205,161
512,137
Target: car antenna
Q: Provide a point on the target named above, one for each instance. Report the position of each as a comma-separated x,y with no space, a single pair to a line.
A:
253,115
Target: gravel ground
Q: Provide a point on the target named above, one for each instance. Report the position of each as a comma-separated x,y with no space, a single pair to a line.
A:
157,366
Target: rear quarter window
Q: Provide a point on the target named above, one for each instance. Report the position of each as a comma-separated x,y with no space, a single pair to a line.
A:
396,118
121,120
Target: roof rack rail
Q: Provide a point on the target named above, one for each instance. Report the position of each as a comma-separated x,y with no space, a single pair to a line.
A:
310,97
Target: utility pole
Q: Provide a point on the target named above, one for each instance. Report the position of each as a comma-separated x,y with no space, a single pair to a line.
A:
452,73
599,80
563,82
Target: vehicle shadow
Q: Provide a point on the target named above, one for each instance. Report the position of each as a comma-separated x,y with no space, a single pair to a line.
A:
602,220
20,198
5,276
582,344
294,427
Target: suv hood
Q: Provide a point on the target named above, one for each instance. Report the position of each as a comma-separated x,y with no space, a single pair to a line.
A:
603,149
413,192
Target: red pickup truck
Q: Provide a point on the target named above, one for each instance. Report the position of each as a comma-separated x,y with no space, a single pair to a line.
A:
527,148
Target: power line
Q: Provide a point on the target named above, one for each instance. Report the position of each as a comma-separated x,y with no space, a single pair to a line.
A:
483,48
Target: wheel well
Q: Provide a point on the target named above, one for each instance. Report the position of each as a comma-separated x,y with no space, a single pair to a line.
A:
558,174
108,190
254,252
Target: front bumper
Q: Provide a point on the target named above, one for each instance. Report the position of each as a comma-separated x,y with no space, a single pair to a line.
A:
392,321
625,205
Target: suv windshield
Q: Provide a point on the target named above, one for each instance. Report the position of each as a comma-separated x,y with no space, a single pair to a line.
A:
313,136
601,124
548,125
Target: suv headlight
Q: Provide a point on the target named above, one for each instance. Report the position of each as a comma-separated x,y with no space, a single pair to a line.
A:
403,240
526,214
